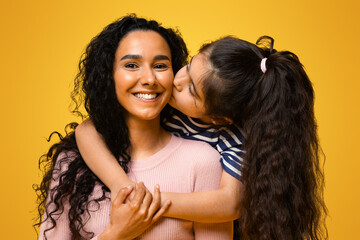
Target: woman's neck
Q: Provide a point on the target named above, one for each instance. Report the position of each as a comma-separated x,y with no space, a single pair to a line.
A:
146,137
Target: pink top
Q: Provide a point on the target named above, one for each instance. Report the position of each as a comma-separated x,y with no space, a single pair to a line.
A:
181,166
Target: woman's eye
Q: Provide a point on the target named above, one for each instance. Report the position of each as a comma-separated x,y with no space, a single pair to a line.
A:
131,65
161,66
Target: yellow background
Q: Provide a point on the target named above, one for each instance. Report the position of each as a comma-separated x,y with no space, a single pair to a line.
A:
41,42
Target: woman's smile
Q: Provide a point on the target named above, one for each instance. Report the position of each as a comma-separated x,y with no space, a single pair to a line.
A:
147,97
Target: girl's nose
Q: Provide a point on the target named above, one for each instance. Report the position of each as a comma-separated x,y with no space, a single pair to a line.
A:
180,79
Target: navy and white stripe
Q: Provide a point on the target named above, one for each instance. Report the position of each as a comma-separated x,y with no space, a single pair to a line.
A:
226,140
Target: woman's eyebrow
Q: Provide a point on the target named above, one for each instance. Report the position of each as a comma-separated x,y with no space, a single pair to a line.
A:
136,56
131,56
161,57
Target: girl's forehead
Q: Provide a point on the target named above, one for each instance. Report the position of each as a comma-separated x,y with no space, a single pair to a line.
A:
198,61
199,65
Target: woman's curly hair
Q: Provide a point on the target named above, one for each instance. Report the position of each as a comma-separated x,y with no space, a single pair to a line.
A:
95,90
282,173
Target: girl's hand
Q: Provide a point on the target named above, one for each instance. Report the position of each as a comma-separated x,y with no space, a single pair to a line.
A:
116,190
130,196
129,219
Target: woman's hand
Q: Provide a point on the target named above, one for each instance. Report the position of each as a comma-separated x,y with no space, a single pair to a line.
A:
129,219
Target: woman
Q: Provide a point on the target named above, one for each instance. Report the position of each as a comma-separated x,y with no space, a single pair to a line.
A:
124,100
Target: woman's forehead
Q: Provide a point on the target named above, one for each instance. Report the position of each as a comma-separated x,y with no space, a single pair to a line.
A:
138,42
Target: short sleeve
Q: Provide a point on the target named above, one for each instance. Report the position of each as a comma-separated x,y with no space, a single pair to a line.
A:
232,162
230,147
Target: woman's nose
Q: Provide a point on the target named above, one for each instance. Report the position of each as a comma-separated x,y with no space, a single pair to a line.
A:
180,79
148,77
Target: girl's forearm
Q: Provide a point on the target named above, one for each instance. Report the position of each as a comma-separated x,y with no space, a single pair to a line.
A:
98,158
221,205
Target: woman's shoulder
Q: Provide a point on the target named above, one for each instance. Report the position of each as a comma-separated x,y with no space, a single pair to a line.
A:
199,151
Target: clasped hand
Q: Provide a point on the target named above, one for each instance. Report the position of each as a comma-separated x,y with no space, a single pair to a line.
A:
129,217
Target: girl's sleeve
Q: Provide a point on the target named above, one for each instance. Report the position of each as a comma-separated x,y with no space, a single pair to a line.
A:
231,149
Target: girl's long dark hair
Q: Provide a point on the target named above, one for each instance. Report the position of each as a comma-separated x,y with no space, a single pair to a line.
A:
95,90
282,174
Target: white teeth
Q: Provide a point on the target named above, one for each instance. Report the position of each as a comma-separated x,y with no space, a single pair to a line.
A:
145,96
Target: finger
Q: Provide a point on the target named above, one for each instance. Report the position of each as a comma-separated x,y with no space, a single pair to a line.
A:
122,195
161,211
147,199
131,195
156,202
144,208
139,196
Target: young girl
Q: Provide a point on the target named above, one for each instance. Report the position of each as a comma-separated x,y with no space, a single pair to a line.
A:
234,86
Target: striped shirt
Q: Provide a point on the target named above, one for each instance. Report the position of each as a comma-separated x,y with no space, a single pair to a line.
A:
226,140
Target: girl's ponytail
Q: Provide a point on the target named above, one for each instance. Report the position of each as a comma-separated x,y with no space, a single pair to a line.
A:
283,177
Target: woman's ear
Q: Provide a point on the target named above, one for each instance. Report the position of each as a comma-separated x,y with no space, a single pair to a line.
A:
222,121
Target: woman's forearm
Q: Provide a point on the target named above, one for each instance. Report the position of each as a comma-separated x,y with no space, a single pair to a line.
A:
220,205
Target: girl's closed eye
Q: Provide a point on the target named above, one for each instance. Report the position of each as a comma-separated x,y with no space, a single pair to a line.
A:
191,91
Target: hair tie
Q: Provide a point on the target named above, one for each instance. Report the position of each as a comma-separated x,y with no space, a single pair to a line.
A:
262,65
